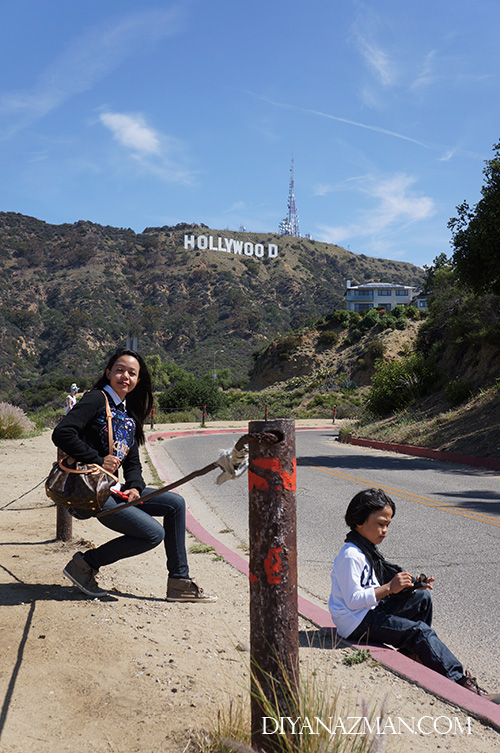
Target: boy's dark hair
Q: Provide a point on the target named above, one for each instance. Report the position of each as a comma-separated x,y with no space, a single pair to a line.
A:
364,503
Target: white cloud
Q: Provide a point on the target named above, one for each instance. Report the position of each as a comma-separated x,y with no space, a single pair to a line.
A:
86,59
320,114
396,206
237,206
322,189
426,75
132,132
156,153
381,64
379,61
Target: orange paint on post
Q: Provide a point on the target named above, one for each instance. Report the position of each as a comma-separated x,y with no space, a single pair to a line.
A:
273,565
274,465
257,482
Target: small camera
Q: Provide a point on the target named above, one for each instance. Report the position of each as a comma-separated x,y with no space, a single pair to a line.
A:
420,581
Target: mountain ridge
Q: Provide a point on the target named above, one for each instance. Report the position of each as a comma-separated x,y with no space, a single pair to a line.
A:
70,293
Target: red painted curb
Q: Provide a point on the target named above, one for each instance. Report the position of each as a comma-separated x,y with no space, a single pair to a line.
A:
407,449
401,665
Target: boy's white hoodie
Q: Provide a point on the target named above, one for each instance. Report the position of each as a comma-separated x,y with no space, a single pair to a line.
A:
353,589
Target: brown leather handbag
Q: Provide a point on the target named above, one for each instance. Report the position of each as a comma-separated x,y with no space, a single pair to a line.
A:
84,486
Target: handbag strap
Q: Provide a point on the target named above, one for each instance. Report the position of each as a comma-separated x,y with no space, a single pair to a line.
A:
110,424
92,468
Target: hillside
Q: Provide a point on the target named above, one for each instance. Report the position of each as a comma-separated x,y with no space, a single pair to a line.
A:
316,372
70,293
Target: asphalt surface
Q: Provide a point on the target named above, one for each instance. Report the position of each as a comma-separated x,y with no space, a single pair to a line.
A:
447,525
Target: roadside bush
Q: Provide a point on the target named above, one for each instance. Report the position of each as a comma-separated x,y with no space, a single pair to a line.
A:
47,418
181,417
397,384
14,423
190,392
458,391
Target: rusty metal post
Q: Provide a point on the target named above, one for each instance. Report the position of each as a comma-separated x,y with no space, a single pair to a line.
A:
265,413
203,415
152,418
64,521
274,632
334,413
64,524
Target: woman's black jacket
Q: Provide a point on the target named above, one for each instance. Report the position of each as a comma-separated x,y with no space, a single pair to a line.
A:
80,435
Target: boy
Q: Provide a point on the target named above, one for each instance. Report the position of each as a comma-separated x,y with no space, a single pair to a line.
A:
374,600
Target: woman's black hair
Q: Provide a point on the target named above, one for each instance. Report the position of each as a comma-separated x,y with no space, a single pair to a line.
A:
140,400
364,503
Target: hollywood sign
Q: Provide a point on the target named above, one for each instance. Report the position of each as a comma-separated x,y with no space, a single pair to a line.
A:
231,246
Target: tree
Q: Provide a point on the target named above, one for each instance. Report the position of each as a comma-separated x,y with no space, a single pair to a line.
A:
476,235
190,392
440,262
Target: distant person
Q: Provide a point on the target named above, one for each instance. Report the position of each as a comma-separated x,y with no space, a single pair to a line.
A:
83,434
71,398
373,600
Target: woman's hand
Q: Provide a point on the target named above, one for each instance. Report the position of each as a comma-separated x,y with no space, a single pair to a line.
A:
111,463
132,494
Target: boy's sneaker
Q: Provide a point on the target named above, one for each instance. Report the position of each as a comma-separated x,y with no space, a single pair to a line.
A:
470,683
83,576
186,589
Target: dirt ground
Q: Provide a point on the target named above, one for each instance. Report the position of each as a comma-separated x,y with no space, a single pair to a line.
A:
131,673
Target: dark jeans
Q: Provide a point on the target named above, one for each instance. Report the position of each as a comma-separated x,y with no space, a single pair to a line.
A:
405,622
142,532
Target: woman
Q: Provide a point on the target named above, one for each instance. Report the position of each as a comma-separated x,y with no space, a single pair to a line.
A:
83,435
71,398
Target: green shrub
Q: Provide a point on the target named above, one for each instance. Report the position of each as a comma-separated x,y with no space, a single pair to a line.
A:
458,391
412,312
376,349
179,417
286,346
190,392
396,384
14,423
47,418
328,338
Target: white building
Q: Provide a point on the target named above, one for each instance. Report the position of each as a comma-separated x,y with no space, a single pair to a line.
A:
377,295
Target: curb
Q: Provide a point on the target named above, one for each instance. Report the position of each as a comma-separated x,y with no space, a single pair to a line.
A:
424,452
440,686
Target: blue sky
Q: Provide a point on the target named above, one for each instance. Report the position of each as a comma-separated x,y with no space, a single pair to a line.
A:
137,114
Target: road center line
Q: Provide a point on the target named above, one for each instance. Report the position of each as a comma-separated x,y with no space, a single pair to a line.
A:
421,500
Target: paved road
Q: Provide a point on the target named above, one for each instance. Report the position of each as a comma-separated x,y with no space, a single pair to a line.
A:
447,524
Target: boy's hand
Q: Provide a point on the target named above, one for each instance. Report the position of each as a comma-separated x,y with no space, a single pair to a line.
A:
399,582
421,585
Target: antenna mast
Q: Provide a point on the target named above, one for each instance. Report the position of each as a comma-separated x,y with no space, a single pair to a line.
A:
290,225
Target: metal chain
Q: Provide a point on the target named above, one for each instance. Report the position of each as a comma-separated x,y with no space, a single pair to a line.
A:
23,495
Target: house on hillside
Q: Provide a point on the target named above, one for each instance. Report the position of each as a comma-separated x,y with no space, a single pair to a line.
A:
377,295
421,301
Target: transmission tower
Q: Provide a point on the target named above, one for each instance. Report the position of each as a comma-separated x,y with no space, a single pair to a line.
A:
290,225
